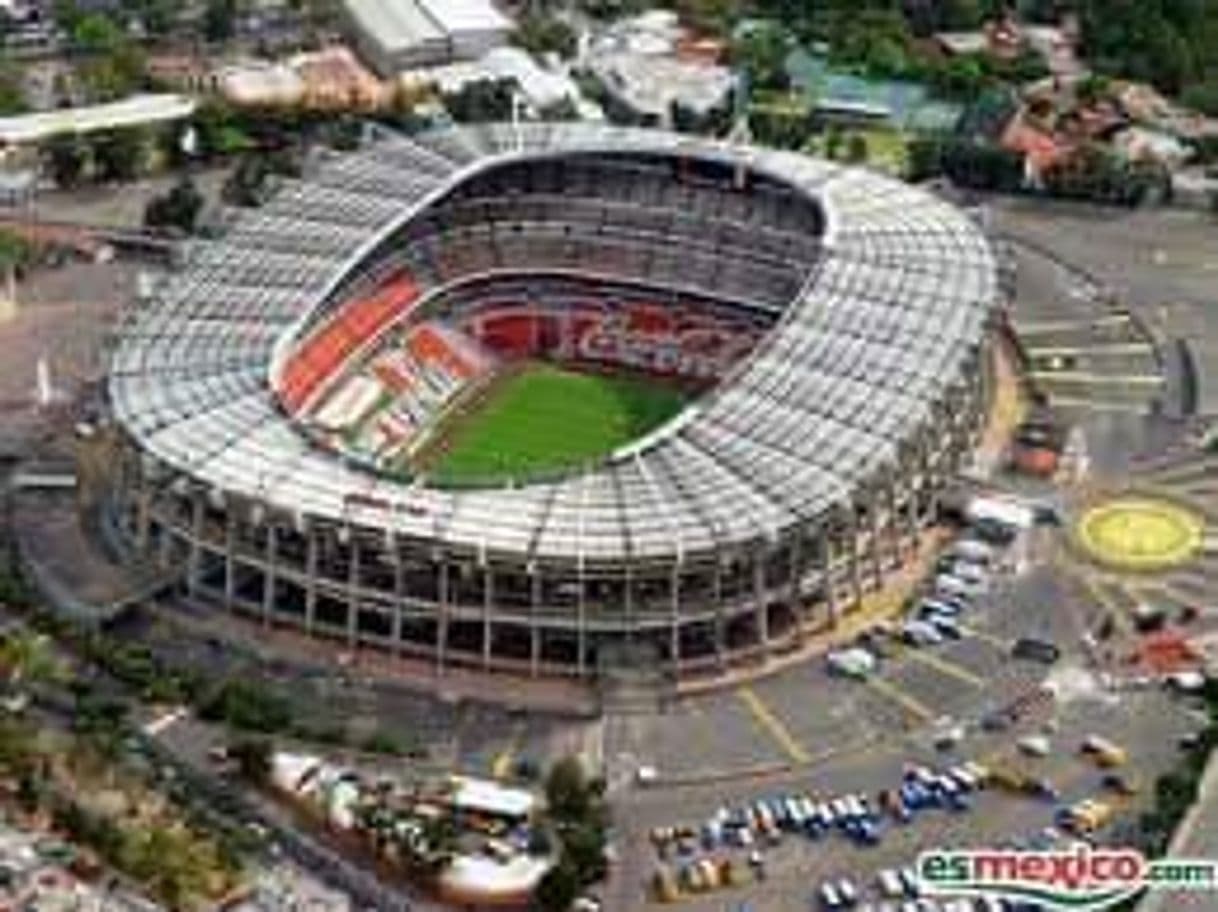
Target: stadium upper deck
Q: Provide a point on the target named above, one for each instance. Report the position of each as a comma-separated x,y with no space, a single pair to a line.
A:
859,401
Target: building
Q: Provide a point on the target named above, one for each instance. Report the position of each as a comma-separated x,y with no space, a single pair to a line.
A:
540,87
261,83
646,68
854,391
395,35
330,79
136,111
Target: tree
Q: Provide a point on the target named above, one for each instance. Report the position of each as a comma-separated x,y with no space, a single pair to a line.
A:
218,18
24,654
481,100
253,759
12,94
856,149
833,142
178,209
557,889
66,156
539,33
14,250
568,797
118,154
94,33
1203,96
761,51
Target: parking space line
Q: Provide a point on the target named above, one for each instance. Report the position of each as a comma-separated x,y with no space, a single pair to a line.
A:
988,638
1032,327
501,767
1095,590
943,666
898,696
1102,348
1096,405
1091,377
773,725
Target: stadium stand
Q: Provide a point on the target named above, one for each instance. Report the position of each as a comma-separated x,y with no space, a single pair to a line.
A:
322,354
796,482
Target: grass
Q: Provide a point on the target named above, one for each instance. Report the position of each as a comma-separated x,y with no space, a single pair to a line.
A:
544,418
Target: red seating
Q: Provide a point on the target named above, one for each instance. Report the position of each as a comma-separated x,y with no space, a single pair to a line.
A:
428,345
320,355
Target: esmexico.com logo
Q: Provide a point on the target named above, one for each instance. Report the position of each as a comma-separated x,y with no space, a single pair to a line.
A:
1081,878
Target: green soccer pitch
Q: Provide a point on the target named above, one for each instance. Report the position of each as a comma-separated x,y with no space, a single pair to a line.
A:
543,418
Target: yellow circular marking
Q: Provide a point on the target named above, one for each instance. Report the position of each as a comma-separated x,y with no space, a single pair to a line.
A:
1140,533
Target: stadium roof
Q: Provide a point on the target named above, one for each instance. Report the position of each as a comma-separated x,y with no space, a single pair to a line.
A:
890,319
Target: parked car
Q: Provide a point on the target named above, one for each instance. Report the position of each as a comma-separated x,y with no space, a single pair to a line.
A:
1036,650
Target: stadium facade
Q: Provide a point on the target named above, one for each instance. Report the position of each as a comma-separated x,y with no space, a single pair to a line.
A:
801,477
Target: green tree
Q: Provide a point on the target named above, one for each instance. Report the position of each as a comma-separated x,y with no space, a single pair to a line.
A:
568,796
218,19
557,890
178,209
541,33
118,154
481,100
856,149
94,33
12,93
24,654
761,51
253,759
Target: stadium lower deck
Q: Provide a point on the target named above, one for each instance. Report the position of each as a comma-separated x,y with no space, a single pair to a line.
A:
837,317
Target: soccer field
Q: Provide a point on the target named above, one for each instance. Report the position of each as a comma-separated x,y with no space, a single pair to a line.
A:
545,418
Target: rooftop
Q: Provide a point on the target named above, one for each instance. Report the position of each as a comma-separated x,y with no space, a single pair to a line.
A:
129,112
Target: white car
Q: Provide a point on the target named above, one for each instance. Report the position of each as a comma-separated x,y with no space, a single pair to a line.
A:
1034,745
889,882
847,891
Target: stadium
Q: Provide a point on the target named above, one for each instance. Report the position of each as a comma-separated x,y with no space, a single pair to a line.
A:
544,398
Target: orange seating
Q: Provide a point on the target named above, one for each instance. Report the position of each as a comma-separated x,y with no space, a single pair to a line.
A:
323,352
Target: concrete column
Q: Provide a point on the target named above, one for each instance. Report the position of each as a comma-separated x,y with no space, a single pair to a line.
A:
230,569
143,516
488,603
164,543
827,575
268,578
720,620
310,580
674,645
534,626
399,593
353,594
873,523
442,615
795,572
194,563
581,626
856,576
759,608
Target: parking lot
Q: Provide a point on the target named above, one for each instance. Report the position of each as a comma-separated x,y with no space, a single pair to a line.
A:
808,731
